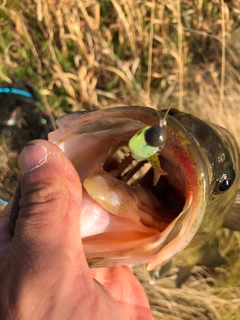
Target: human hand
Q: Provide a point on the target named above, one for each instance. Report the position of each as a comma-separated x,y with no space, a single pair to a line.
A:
43,270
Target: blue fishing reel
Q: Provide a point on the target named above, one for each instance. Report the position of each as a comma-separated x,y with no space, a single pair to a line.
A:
21,121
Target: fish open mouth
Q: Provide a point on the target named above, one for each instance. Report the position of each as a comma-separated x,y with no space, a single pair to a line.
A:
125,219
158,205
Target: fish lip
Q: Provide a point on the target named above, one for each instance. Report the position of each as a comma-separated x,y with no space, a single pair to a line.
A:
185,152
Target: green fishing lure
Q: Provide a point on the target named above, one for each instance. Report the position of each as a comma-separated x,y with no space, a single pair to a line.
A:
146,144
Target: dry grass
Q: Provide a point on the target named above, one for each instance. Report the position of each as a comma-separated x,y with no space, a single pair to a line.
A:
206,295
88,54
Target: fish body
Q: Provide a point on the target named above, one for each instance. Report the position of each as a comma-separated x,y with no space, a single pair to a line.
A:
221,155
127,220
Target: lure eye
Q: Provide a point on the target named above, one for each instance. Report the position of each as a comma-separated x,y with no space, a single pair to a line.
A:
226,180
173,111
155,136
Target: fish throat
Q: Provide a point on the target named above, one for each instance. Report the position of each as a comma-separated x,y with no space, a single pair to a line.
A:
166,199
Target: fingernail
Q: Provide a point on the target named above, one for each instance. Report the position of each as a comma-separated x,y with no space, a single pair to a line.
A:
31,157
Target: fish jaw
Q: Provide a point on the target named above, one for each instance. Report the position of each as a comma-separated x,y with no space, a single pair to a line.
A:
121,223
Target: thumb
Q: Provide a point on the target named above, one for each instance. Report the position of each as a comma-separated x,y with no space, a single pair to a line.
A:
48,227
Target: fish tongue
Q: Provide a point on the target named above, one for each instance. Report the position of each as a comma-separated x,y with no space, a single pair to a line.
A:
119,199
109,193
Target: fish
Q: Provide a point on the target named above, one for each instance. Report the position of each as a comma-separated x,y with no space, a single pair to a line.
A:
125,218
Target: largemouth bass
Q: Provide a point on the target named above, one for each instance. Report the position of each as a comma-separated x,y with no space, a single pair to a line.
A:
125,219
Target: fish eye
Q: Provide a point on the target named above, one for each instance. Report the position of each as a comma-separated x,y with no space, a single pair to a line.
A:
226,180
225,184
155,136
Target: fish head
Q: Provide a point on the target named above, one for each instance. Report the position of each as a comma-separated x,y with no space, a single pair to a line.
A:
125,220
220,152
